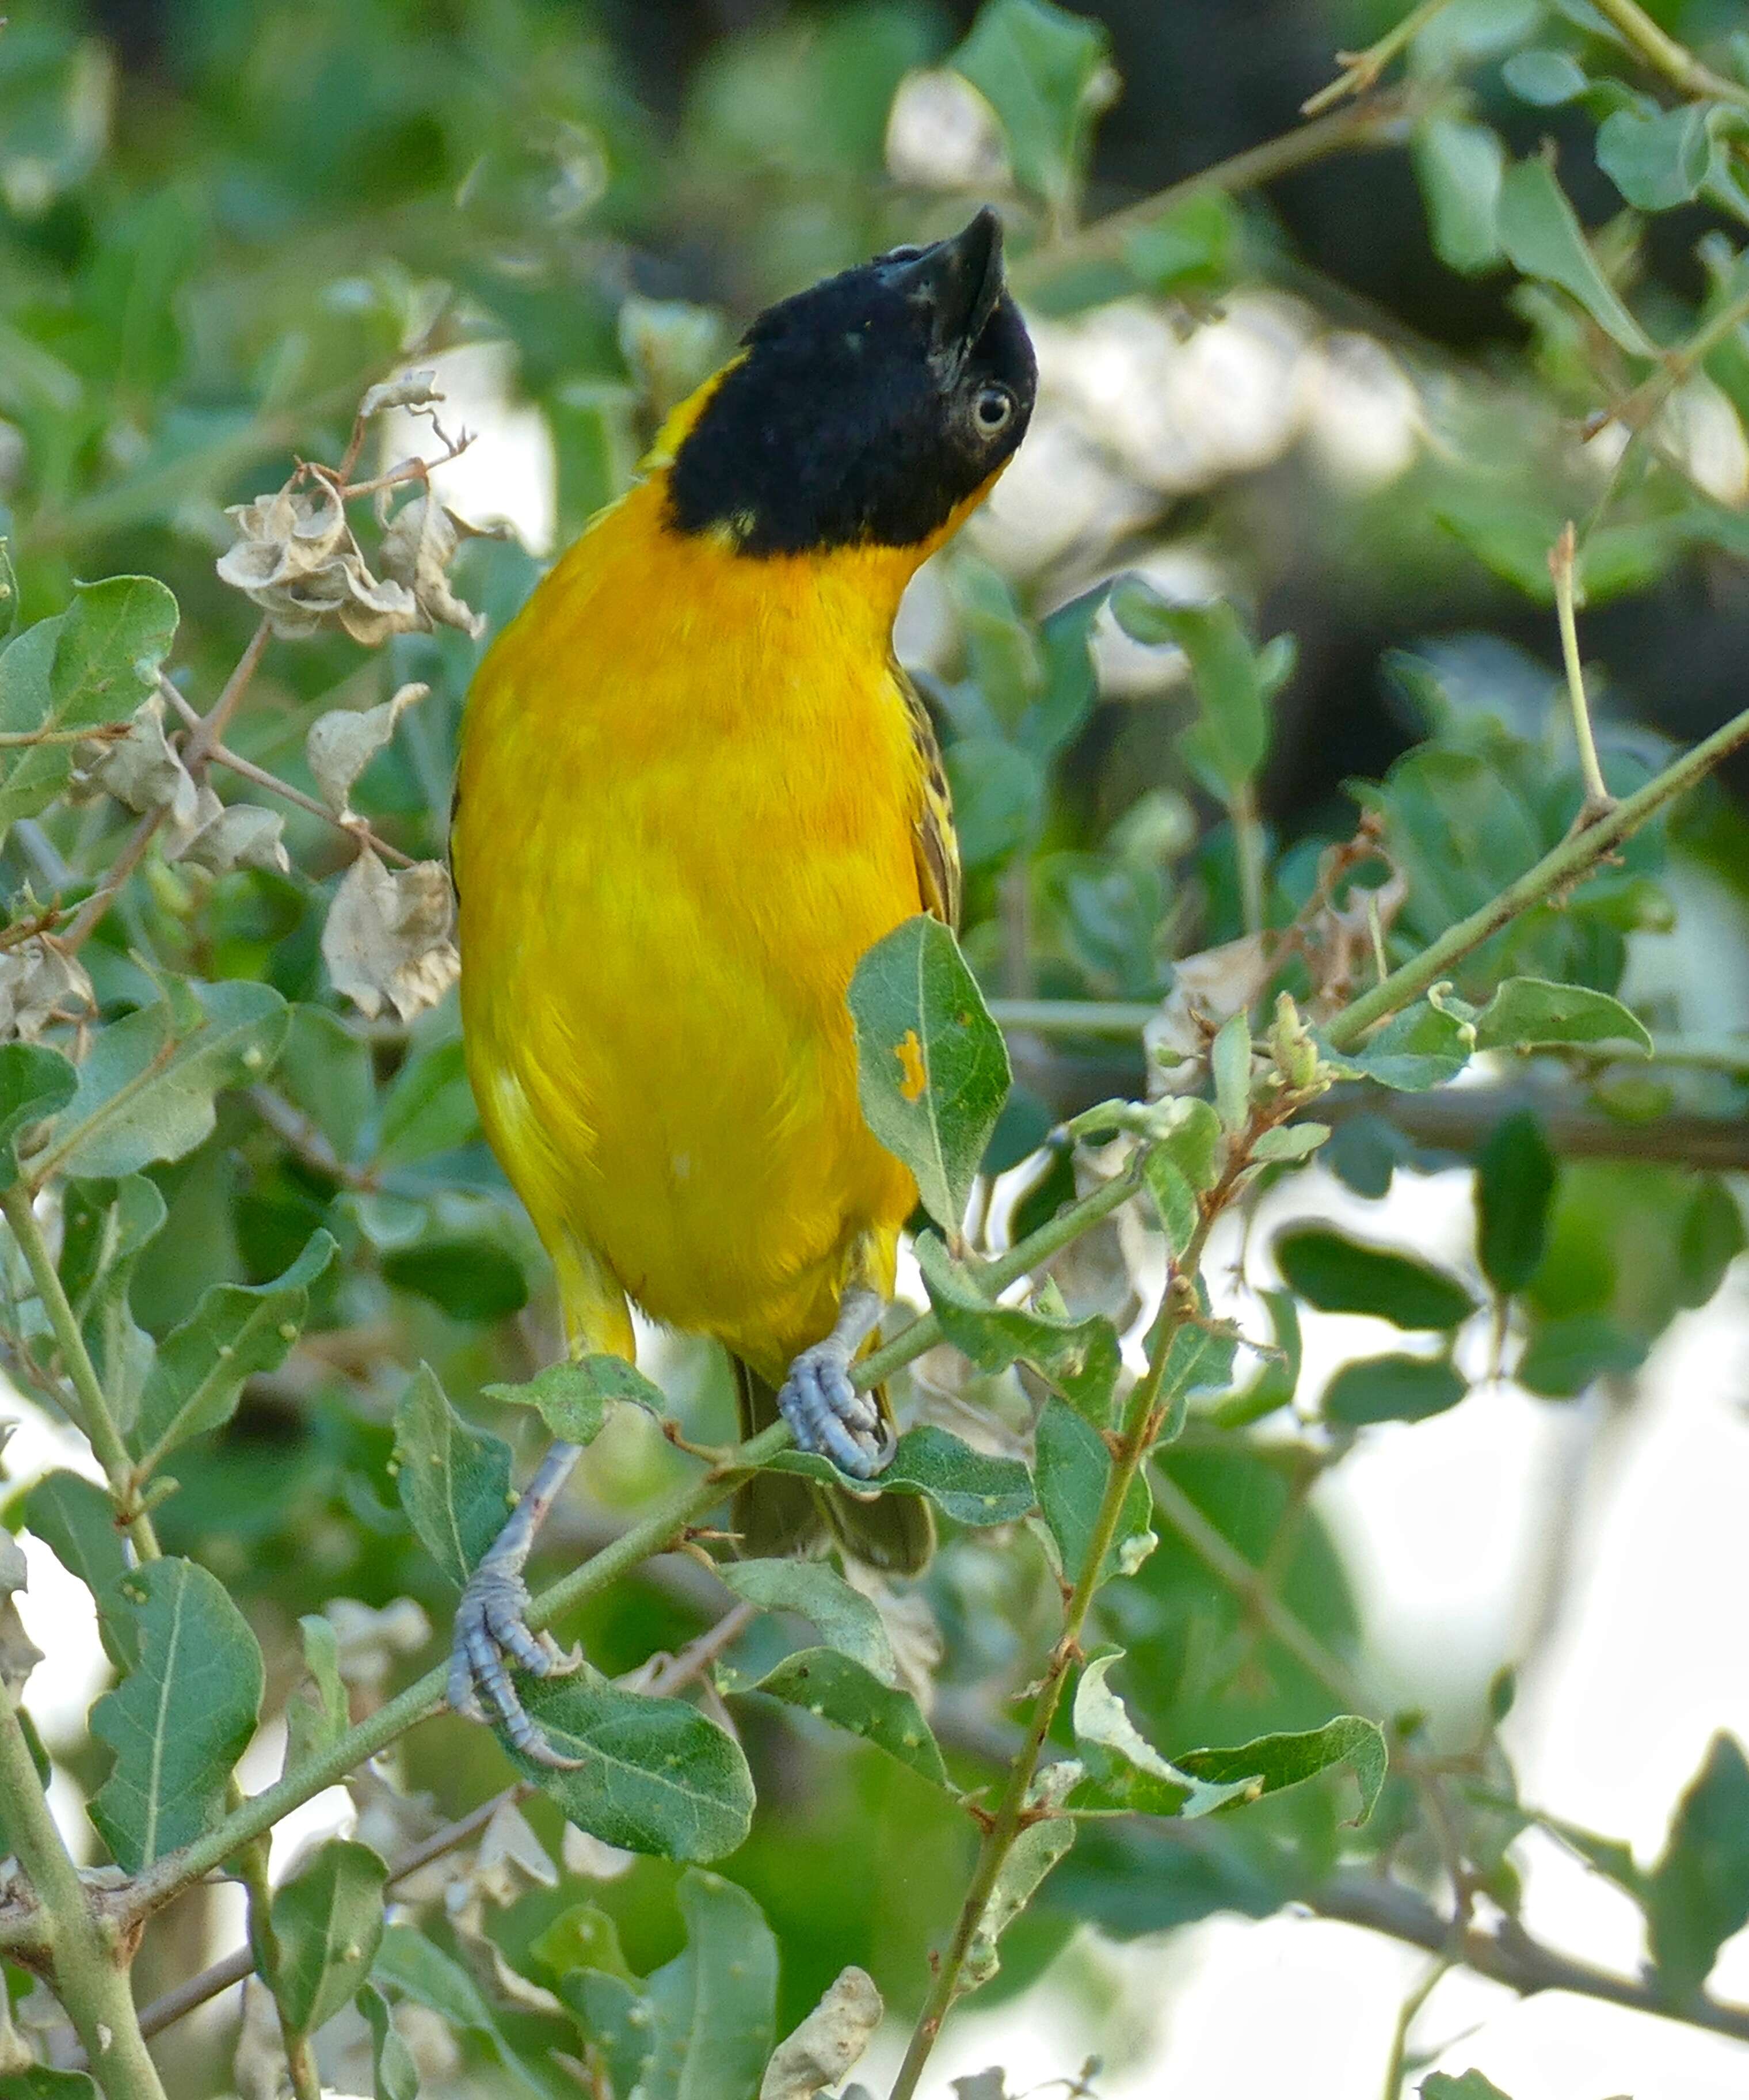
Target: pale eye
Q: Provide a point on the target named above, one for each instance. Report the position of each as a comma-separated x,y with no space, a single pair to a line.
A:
993,409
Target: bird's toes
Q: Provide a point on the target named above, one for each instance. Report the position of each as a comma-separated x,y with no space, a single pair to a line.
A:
827,1414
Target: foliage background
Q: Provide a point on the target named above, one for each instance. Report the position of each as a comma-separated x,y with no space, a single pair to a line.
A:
223,222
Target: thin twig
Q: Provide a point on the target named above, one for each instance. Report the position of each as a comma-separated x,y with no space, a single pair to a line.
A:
1360,70
658,1531
195,755
1664,55
1598,801
1414,2000
671,1673
94,1416
1379,121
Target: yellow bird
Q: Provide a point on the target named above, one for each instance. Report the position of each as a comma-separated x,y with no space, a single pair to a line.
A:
694,788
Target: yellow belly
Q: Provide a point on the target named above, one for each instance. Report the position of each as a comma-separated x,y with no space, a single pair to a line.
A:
687,796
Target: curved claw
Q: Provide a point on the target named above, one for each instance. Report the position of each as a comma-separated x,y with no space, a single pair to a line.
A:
490,1625
827,1414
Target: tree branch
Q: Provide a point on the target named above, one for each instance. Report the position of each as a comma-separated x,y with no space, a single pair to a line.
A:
654,1533
94,1418
669,1674
90,1977
1382,121
1570,862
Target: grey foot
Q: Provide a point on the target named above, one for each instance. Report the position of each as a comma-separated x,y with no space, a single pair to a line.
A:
827,1414
492,1624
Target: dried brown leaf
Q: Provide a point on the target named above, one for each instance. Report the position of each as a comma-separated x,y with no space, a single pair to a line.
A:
41,983
417,549
140,770
19,1654
828,2042
411,390
387,939
343,742
237,835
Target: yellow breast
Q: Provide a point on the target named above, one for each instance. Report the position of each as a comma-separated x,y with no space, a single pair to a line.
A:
687,796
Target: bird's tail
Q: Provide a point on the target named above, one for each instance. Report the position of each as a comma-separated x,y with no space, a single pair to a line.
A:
778,1514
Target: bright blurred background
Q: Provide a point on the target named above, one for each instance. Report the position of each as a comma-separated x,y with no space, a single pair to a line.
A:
219,218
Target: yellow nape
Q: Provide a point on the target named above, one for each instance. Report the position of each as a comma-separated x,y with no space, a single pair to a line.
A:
689,800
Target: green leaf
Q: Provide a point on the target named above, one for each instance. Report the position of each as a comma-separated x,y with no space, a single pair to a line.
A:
1044,72
1438,2085
1054,721
395,2074
1564,1355
1233,730
8,591
1423,1046
713,2009
454,1481
1460,166
1230,1062
315,1723
1337,1274
846,1619
76,1521
408,1962
236,1331
181,1718
833,1687
967,1485
933,1068
468,1276
145,1092
430,1108
1657,158
656,1776
1174,1199
1032,1856
1124,1769
1192,1141
1529,1013
1278,1377
1698,1894
105,1228
1073,1466
1290,1143
325,1071
613,2014
1081,1357
1545,78
36,1083
998,793
94,663
1515,1177
38,2082
1711,1238
327,1925
1272,1764
584,1937
1395,1388
1543,238
573,1399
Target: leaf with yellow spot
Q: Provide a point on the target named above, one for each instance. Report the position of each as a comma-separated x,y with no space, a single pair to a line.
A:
932,1069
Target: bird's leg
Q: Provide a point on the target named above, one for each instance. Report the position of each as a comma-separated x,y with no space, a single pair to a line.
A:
491,1620
824,1411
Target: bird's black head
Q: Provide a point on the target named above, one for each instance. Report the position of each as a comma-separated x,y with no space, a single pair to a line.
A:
865,410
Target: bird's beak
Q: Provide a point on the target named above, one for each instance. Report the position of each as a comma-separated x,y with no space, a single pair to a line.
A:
960,281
